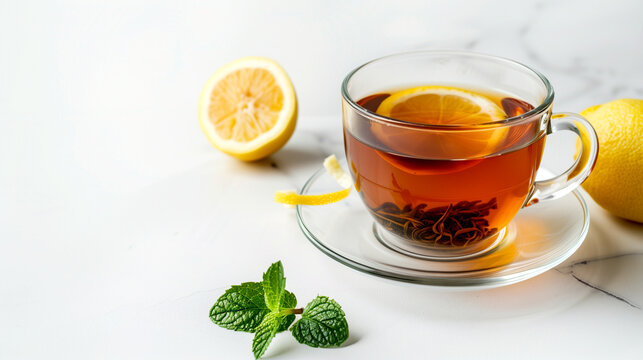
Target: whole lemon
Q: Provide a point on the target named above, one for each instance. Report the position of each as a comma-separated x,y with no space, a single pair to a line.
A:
616,182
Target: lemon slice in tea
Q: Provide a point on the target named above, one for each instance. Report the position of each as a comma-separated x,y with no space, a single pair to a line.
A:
444,106
440,105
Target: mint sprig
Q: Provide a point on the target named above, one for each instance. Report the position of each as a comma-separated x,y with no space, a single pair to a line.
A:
267,308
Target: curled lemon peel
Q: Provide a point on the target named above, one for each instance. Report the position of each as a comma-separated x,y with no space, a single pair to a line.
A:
332,167
292,198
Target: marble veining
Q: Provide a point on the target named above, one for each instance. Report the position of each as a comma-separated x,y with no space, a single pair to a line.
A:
604,286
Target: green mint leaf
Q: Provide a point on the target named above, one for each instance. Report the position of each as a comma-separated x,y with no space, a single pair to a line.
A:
274,284
322,324
288,301
265,332
240,308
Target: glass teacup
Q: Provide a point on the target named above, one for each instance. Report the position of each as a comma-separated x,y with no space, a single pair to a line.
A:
448,191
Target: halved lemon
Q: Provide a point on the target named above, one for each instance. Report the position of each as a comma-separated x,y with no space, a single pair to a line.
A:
248,108
441,105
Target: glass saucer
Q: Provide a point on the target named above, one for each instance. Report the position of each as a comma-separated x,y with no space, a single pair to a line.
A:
538,238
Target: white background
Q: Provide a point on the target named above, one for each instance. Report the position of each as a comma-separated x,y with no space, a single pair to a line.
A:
120,225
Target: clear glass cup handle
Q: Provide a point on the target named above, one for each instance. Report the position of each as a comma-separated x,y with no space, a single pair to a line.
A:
570,179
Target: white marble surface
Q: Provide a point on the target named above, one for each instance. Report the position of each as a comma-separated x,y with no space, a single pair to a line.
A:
120,225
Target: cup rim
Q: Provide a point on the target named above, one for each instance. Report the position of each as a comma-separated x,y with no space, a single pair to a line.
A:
544,105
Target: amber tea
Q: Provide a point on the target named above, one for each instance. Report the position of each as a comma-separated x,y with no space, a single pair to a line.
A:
443,188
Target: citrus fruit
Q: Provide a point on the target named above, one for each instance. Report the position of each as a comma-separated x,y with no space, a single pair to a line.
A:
332,167
292,198
248,108
441,105
616,183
